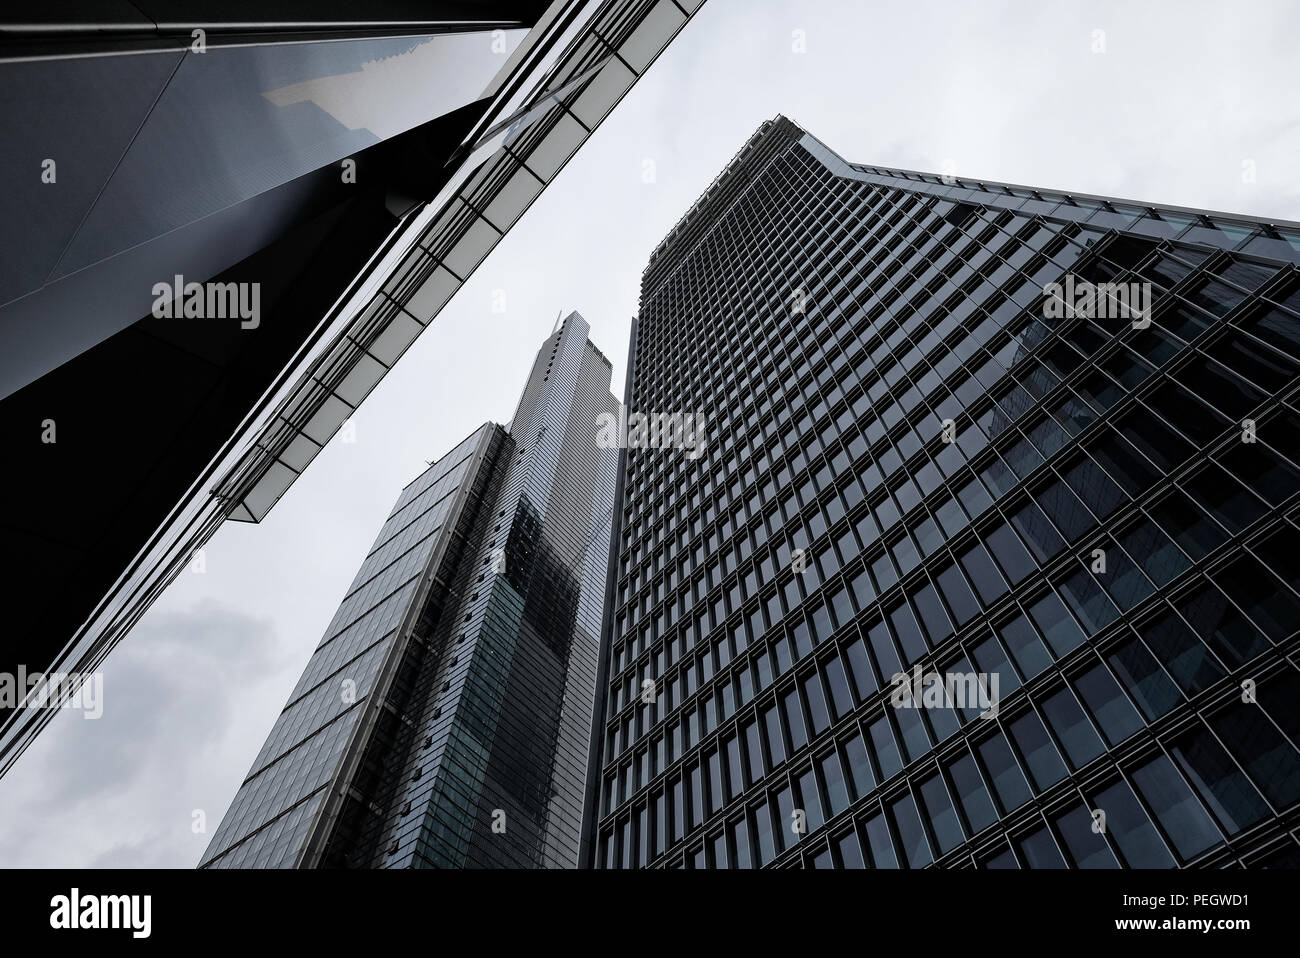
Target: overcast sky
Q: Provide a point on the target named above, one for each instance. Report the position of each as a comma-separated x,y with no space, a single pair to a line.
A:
1184,93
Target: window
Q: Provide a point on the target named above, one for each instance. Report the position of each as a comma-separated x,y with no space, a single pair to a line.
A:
784,811
943,817
1072,728
882,849
932,613
1040,851
1224,498
716,796
764,842
697,796
1159,557
993,661
972,794
1122,579
1217,779
1040,535
911,835
735,772
1188,525
775,740
754,748
908,632
679,810
837,793
1226,630
1008,780
718,851
1113,712
864,779
1144,680
1184,819
1025,645
816,698
1269,759
1001,860
660,821
1083,839
883,648
1090,605
1040,754
887,754
841,697
794,719
850,854
1261,596
1069,515
864,679
810,801
960,598
915,739
1191,664
1127,823
1055,624
983,573
740,844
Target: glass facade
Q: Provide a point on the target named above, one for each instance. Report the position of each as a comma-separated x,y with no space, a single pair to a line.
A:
916,460
298,768
445,720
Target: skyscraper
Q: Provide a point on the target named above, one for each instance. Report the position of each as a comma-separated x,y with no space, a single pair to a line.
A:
445,719
1035,453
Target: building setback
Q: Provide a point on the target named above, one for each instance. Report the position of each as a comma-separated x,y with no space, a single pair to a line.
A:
445,719
921,454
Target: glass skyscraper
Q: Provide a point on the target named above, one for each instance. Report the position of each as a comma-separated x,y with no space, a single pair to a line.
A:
956,429
445,718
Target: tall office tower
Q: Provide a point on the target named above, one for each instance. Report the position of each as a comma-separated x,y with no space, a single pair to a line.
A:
445,719
921,453
256,210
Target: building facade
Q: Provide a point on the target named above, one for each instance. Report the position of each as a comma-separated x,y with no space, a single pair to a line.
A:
956,432
445,719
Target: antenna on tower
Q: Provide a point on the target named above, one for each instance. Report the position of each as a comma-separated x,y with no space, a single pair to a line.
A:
557,319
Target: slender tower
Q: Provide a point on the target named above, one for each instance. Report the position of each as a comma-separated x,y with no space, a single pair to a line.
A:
445,719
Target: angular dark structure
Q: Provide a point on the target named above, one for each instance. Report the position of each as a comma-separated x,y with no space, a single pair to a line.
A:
345,170
445,719
1045,440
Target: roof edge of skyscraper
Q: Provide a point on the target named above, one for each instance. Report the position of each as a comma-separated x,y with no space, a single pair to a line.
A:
929,182
738,173
771,136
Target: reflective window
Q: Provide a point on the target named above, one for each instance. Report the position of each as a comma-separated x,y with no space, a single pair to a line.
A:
1008,780
1139,841
1221,784
916,847
1107,704
1040,754
1072,728
1083,839
1040,851
1185,821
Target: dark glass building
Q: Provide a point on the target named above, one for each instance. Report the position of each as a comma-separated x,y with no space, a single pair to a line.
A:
445,719
1046,440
